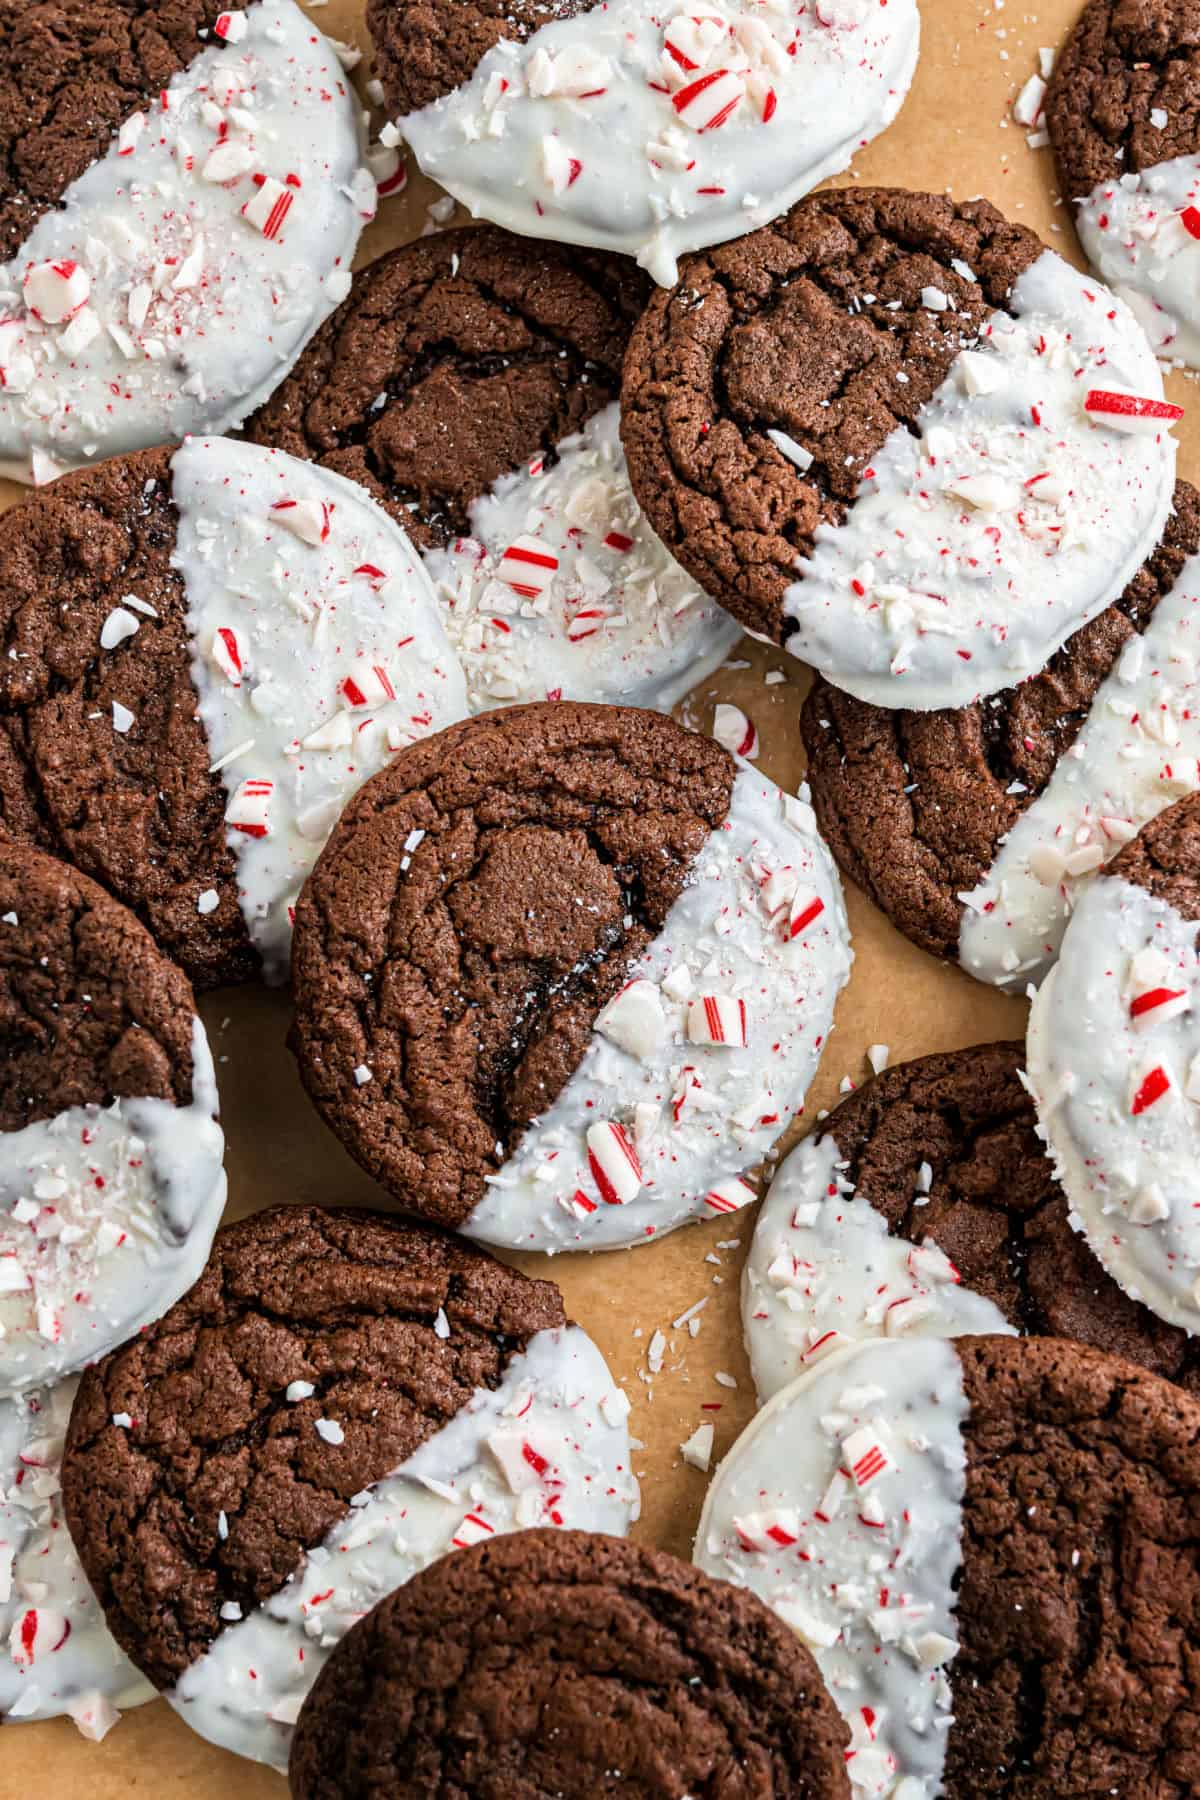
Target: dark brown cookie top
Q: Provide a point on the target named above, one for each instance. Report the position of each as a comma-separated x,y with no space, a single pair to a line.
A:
1125,60
993,1204
814,327
568,1664
71,72
91,1011
138,810
427,48
477,906
455,360
1164,857
1080,1584
914,805
344,1301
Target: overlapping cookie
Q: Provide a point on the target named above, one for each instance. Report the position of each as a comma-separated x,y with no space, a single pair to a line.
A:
205,653
1123,116
900,436
638,1677
564,973
646,130
924,1206
975,829
470,384
990,1546
184,195
1114,1059
339,1401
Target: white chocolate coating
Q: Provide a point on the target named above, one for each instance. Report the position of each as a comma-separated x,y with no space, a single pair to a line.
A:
586,133
1133,233
1138,751
824,1271
306,617
618,621
107,1216
57,1655
1130,1176
194,315
559,1398
697,1115
964,596
865,1575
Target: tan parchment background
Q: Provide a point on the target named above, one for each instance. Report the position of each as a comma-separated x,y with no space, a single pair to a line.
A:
954,134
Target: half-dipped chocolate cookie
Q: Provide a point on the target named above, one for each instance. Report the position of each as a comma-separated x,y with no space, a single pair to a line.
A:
650,130
974,829
900,436
1123,113
205,653
470,384
110,1154
1114,1060
924,1206
340,1400
183,196
990,1546
570,1664
563,975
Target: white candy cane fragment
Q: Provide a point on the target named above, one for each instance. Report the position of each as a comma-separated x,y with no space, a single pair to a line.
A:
226,651
614,1163
267,209
691,40
55,291
931,1266
729,1196
473,1530
864,1456
709,101
717,1019
734,732
776,1529
1027,107
986,493
560,169
309,520
1123,411
527,567
231,27
367,684
635,1020
249,807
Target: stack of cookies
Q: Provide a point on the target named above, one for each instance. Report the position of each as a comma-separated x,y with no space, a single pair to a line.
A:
346,620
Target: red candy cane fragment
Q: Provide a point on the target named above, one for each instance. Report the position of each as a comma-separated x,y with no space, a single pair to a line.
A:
367,684
226,651
929,1265
774,1529
734,731
864,1456
527,567
55,291
309,520
40,1631
717,1019
1153,1085
250,806
1189,218
1161,1002
806,907
690,40
231,27
729,1196
614,1163
268,208
1123,411
473,1530
709,101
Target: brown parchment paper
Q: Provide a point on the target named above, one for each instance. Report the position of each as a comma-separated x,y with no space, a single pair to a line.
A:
955,134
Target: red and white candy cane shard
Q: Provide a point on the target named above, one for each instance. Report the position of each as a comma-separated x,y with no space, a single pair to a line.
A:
367,684
772,1529
931,1266
1159,1003
618,541
823,1345
864,1456
734,731
806,907
228,655
55,291
586,623
473,1530
729,1196
614,1163
249,807
717,1019
40,1631
269,206
833,1497
690,40
1130,412
709,101
376,577
1154,1085
230,27
1189,218
309,520
528,567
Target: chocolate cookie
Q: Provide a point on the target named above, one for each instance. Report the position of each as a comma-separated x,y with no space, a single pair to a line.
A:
971,828
204,654
470,383
569,1664
1123,113
183,193
868,430
618,126
925,1205
563,974
111,1183
338,1401
992,1546
1114,1058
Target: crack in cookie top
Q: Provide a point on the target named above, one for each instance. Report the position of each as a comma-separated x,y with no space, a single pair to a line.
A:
924,1206
563,975
992,1547
339,1400
205,654
111,1184
1114,1061
469,382
1123,113
182,198
638,1677
650,131
973,829
900,436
